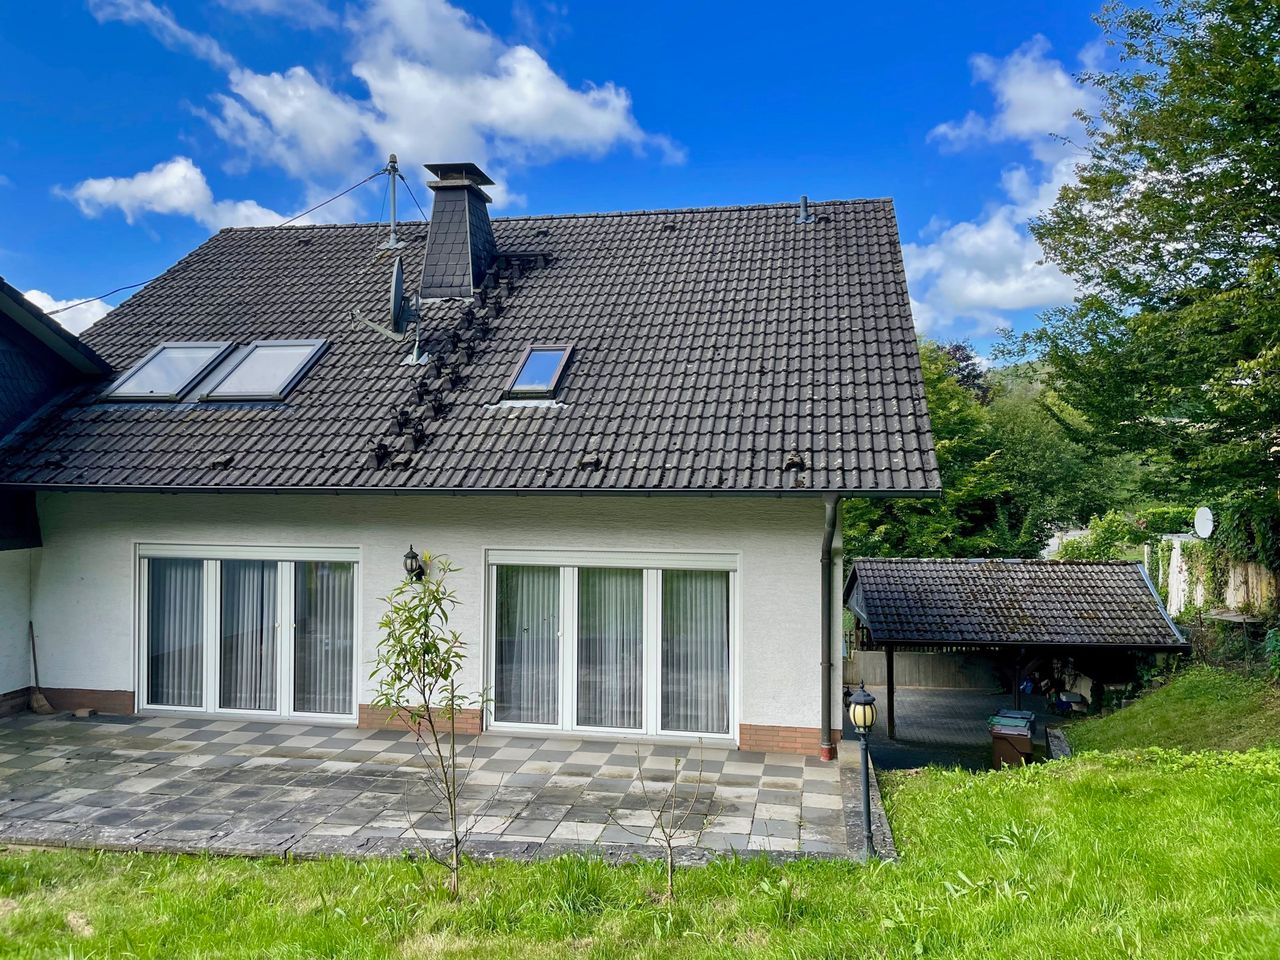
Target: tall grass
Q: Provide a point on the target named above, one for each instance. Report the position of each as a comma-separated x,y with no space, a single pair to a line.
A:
1204,708
1139,854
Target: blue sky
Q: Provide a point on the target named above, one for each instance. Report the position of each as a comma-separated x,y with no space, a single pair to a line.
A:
130,130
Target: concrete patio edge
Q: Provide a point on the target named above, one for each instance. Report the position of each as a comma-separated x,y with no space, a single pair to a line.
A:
40,834
881,831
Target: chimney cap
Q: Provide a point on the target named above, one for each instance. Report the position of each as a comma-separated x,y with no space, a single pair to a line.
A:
459,171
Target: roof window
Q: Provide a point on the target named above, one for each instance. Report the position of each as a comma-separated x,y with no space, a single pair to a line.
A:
168,371
267,370
539,372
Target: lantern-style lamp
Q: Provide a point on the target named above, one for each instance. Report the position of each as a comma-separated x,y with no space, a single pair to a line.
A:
413,564
862,713
862,710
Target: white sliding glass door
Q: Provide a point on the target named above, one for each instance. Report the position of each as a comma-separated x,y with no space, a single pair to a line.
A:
610,669
626,644
175,633
248,631
526,685
323,637
695,651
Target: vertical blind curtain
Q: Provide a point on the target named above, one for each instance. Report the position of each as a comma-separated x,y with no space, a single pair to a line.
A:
247,665
695,651
610,648
175,632
527,645
324,637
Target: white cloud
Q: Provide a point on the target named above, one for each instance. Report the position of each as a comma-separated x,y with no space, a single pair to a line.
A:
174,186
160,21
76,319
434,84
304,13
289,120
979,269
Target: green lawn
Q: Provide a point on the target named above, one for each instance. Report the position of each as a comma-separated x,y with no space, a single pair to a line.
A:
1203,708
1148,853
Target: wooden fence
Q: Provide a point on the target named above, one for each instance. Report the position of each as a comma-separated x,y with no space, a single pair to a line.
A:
956,671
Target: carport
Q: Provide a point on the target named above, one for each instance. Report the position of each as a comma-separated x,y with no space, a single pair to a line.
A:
1026,613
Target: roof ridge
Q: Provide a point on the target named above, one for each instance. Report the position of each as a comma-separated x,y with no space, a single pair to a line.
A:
655,212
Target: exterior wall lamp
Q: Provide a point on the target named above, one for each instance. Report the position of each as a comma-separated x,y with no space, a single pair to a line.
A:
862,713
413,565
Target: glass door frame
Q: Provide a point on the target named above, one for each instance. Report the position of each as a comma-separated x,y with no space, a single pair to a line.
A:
651,563
212,555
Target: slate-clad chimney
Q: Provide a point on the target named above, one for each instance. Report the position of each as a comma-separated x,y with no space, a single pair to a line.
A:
460,246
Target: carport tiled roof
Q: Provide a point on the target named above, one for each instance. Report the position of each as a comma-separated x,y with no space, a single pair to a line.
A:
955,603
715,350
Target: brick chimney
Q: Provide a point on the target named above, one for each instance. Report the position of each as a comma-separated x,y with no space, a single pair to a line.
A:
460,245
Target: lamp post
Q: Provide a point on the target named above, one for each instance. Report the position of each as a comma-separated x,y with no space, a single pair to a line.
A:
862,713
413,564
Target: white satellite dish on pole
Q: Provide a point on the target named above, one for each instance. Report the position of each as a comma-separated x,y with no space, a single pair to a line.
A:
397,292
1204,523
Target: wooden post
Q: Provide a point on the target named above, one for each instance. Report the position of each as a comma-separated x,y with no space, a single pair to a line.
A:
888,680
1017,682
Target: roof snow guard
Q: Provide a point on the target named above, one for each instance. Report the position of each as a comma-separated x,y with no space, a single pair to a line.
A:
460,244
913,603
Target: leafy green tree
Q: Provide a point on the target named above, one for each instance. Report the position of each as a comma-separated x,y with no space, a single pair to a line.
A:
1009,473
1109,538
1172,233
1040,459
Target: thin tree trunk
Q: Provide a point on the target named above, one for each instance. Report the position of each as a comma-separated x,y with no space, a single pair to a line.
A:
671,873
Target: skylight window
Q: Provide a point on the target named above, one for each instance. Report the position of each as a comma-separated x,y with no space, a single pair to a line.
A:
268,370
539,372
168,371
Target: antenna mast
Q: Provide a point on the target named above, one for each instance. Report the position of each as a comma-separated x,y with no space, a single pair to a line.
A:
393,171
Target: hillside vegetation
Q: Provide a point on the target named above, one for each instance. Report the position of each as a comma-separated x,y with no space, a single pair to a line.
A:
1204,708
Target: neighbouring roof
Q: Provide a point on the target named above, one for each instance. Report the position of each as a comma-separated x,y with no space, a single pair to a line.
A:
714,350
957,603
52,335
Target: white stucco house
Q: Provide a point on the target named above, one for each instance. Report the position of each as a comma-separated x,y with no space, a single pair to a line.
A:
631,432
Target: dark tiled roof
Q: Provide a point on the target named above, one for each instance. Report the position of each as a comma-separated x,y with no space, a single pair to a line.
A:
712,348
1022,602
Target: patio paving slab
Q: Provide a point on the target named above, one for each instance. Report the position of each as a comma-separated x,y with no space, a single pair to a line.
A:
262,789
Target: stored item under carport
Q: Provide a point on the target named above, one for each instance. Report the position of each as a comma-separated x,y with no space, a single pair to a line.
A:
1009,747
1011,732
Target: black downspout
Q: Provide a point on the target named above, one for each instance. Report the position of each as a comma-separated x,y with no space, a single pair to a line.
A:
831,518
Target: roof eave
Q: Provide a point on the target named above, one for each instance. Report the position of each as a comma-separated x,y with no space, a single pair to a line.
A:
52,334
874,644
917,493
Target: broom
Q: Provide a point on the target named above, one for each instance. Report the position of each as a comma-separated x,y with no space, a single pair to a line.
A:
39,704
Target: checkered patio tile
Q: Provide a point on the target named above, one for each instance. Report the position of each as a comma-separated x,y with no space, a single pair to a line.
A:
210,781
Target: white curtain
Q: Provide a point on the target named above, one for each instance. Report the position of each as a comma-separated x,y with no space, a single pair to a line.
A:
247,669
175,607
695,651
527,642
610,648
324,636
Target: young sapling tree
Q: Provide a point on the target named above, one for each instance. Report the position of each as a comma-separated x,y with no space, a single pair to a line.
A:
673,817
417,675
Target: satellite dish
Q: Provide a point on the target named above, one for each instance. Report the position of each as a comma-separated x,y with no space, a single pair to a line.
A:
1204,522
397,292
